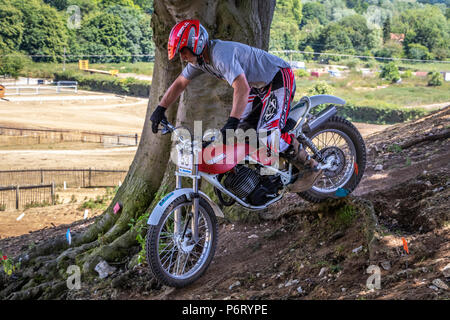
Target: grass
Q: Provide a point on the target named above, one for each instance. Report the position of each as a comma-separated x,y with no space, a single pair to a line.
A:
411,92
362,90
394,148
344,217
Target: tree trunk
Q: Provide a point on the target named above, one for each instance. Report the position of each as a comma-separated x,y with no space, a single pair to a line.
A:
206,99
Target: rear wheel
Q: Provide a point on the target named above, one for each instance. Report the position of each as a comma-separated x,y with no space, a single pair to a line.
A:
175,259
341,144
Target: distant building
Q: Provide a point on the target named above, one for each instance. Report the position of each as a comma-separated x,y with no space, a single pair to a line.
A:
298,65
399,37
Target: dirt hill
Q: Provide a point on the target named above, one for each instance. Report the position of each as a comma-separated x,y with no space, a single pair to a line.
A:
296,250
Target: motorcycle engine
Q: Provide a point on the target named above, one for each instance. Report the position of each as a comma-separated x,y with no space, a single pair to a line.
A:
248,185
241,181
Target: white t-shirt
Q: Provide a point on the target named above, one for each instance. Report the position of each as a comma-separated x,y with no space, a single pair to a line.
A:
229,59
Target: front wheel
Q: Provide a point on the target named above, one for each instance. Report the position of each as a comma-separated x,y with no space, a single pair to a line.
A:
341,144
175,259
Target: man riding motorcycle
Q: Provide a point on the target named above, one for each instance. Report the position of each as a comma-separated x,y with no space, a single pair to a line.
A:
264,86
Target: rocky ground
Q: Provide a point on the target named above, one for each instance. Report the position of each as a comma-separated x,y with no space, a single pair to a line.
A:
300,251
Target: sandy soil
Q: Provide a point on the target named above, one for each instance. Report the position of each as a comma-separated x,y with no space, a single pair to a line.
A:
66,211
124,115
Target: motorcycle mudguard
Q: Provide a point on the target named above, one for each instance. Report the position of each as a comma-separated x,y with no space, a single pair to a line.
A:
162,205
325,98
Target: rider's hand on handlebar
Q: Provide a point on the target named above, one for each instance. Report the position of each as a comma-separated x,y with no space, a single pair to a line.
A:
232,123
156,118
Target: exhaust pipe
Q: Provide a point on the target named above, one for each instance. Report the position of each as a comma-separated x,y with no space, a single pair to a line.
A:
321,118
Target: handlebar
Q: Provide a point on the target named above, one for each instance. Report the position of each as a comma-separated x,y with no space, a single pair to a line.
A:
169,128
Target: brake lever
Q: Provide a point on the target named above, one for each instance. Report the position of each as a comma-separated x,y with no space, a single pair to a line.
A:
165,131
167,128
207,143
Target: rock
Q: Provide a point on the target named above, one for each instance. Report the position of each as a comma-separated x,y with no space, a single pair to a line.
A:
440,284
291,282
280,286
378,167
236,284
300,290
322,271
386,265
402,272
446,271
120,281
253,236
104,269
356,250
434,288
343,289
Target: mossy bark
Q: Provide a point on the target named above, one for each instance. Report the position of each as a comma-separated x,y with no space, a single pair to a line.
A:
206,99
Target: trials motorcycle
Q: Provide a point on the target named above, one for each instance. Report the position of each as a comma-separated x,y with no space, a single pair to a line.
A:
183,229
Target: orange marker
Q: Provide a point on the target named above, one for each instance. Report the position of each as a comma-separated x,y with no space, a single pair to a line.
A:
405,245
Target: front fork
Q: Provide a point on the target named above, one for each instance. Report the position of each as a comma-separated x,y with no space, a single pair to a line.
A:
195,208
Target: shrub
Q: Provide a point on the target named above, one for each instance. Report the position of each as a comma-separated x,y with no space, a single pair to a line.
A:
418,51
351,63
320,87
13,64
301,73
407,74
390,72
105,83
434,78
381,113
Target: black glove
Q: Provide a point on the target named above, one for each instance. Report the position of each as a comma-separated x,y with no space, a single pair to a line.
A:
156,118
232,123
290,124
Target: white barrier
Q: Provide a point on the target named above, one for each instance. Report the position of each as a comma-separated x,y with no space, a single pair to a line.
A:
35,90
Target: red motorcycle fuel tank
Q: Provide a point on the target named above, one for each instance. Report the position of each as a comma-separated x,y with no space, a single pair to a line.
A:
217,159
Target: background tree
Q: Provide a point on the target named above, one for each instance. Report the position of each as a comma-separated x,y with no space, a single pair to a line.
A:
110,237
386,30
45,32
11,27
285,32
313,11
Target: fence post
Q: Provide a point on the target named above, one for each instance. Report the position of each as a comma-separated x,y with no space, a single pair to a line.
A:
42,176
90,174
17,197
136,138
53,192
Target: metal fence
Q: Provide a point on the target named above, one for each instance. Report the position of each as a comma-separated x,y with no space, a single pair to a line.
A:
40,136
72,178
19,197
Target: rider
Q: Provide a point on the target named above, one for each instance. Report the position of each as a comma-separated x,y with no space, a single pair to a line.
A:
263,84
